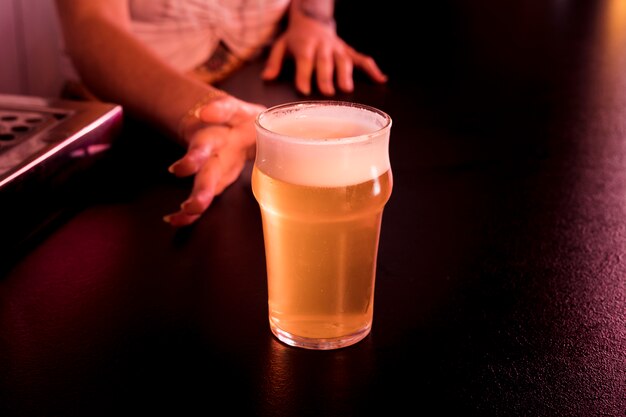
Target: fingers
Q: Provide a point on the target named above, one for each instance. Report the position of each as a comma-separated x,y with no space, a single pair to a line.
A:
275,60
202,143
321,52
368,65
344,73
217,173
328,64
324,67
233,140
204,187
202,194
228,111
304,72
181,219
189,164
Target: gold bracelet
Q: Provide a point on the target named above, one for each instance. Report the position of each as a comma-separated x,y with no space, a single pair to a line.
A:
194,111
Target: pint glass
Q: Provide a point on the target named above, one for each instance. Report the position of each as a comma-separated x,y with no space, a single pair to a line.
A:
321,177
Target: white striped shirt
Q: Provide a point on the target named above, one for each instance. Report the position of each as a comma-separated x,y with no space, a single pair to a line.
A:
185,33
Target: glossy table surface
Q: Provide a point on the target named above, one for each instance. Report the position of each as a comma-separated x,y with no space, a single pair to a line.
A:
501,283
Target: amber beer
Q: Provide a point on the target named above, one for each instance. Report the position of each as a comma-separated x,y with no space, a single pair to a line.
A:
322,178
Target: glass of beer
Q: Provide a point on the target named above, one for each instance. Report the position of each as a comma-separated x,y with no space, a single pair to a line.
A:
321,177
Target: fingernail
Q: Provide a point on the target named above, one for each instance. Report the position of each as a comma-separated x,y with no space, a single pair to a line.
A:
172,167
191,206
185,205
167,219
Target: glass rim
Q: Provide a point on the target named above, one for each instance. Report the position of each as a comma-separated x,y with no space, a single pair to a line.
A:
386,125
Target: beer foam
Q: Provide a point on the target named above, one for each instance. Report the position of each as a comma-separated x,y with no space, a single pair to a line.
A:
324,144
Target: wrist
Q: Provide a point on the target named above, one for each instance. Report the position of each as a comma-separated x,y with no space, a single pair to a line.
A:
321,12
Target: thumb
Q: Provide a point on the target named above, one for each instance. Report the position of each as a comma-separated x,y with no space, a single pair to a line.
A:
219,111
228,111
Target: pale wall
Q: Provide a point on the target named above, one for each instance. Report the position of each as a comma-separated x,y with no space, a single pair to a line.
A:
30,57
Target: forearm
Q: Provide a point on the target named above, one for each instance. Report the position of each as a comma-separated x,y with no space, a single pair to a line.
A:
118,68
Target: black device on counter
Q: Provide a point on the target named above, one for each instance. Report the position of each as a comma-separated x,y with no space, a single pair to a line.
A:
46,144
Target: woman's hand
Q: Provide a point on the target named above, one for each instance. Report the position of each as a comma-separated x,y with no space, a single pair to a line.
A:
221,138
316,48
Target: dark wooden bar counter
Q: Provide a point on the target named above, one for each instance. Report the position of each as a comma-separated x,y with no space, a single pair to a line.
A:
501,286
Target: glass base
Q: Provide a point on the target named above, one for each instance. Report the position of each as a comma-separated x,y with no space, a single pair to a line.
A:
319,344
